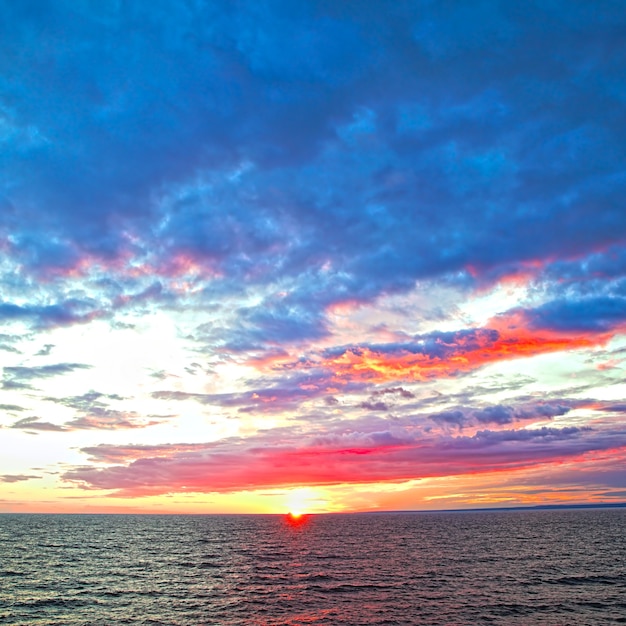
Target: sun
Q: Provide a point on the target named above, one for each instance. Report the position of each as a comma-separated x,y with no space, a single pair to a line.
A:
296,519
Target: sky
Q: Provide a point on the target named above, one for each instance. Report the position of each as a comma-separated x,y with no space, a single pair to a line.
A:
309,255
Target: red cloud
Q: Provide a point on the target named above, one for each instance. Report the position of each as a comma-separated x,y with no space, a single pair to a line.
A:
335,458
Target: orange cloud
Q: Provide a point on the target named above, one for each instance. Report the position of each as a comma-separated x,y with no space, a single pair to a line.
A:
509,342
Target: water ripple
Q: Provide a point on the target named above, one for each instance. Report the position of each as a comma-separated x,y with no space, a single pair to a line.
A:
552,568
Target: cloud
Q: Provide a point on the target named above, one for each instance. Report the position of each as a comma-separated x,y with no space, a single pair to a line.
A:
87,401
202,398
109,419
374,406
83,310
35,423
91,413
280,393
593,314
391,396
11,407
314,164
343,457
394,391
108,453
69,312
288,382
617,407
16,478
500,414
46,350
20,377
440,354
42,371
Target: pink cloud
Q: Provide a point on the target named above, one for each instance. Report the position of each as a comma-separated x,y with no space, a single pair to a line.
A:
288,458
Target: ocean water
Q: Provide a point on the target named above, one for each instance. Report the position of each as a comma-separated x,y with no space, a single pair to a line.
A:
517,567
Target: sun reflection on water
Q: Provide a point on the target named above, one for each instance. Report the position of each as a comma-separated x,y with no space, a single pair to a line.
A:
296,518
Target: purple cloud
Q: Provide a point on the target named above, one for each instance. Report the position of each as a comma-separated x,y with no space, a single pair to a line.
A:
35,423
334,458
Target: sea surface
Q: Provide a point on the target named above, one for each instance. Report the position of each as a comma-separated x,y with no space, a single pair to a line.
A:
513,567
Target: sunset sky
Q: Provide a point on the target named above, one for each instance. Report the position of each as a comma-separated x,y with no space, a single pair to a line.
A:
316,256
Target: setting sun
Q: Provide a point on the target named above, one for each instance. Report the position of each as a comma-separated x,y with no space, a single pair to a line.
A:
296,519
301,501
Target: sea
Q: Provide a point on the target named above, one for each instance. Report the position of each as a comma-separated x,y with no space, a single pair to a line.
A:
524,567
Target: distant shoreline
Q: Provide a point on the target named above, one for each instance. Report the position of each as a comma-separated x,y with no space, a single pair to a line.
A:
537,507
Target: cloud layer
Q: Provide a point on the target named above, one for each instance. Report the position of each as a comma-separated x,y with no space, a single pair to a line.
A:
334,458
270,225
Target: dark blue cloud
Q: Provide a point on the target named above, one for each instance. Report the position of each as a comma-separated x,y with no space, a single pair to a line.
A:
592,314
500,414
396,143
81,310
279,322
43,316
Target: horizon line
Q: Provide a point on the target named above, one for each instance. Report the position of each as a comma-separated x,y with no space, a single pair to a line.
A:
536,507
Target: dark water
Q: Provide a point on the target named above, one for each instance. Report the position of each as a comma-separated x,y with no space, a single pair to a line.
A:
518,567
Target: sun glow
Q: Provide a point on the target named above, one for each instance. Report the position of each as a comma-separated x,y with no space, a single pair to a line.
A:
296,519
300,501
